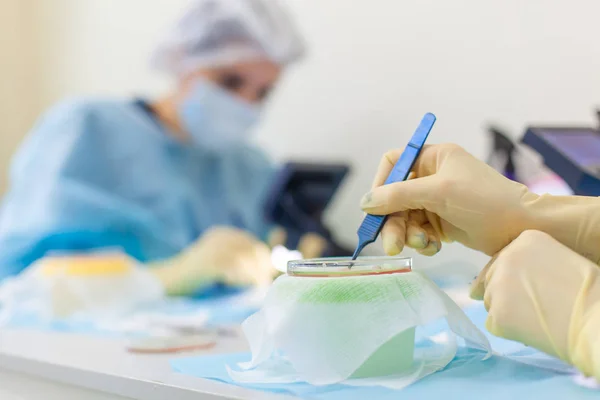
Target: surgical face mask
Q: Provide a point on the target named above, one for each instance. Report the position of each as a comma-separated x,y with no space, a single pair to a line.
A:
356,330
216,119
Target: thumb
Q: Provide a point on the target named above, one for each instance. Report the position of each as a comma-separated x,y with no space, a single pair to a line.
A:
477,291
414,194
494,328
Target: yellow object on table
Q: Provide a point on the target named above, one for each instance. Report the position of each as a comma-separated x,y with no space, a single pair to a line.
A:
87,264
101,283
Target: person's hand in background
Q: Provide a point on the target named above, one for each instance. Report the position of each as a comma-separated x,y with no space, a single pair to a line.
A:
541,293
222,255
311,245
453,196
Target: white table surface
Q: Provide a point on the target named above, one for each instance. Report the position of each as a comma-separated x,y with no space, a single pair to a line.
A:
47,365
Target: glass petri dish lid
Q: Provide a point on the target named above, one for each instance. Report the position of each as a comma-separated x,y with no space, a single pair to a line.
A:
345,266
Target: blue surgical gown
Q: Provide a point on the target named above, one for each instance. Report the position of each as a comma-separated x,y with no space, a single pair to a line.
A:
104,173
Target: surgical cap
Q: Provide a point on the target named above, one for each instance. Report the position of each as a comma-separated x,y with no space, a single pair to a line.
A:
215,33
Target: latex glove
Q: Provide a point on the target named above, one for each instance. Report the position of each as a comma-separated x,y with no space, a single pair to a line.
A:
222,255
453,196
311,245
543,294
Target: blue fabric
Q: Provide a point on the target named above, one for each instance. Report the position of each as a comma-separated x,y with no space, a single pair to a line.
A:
495,378
102,173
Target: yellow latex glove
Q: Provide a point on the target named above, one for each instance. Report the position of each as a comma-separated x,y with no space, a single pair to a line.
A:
453,196
221,255
311,245
543,294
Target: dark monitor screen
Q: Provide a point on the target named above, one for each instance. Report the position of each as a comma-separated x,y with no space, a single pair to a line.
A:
303,191
582,147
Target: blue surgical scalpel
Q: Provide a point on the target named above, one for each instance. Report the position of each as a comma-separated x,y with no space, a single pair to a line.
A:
372,224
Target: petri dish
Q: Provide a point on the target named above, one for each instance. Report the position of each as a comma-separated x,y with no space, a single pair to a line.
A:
345,266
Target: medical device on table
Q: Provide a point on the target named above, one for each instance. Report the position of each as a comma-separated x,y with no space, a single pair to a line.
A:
573,153
372,224
559,160
299,197
523,164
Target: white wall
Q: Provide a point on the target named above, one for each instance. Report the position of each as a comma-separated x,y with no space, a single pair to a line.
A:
100,46
17,79
374,68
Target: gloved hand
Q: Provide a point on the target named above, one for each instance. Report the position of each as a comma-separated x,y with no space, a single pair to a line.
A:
453,196
541,293
311,245
221,255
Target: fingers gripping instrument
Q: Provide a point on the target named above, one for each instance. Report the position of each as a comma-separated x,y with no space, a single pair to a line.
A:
372,224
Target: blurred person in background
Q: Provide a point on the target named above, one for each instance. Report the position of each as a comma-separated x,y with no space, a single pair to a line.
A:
174,182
